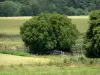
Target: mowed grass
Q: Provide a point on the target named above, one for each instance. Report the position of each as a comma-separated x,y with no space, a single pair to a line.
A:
53,71
11,25
81,22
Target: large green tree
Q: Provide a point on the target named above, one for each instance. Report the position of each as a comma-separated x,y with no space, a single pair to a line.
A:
92,39
49,32
9,8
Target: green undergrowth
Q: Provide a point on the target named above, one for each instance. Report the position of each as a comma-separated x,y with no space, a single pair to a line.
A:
67,60
12,52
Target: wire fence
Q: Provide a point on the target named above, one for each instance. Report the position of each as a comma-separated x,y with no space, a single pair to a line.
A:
12,47
76,51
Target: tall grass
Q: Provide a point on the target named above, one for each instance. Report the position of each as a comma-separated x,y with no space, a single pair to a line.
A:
49,60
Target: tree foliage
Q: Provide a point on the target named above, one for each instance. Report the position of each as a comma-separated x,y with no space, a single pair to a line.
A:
92,40
69,7
49,32
9,8
25,11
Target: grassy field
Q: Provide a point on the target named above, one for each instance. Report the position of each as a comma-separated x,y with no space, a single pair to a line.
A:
81,23
11,25
43,65
48,65
48,60
6,59
53,71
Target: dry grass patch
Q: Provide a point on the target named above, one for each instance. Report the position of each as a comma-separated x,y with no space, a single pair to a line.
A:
16,60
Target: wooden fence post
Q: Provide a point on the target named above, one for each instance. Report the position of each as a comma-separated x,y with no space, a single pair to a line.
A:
5,47
17,48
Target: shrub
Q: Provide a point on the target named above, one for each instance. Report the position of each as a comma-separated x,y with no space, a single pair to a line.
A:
49,32
92,39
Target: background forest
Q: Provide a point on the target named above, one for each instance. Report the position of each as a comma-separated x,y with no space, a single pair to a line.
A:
34,7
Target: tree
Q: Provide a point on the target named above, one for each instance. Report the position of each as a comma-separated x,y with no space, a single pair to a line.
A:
46,6
26,11
69,7
9,8
26,2
35,9
92,39
2,0
49,32
29,10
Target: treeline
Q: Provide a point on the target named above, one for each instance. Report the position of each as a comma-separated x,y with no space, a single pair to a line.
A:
34,7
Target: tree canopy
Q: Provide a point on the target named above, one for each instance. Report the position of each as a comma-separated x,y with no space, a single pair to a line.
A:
92,39
9,8
49,32
69,7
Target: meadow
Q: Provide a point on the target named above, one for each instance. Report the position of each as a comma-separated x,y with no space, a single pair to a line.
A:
48,65
53,71
11,25
10,64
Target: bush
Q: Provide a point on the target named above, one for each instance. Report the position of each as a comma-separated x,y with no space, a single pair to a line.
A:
49,32
92,39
